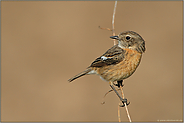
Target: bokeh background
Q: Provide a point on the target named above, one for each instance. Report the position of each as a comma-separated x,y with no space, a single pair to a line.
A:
45,43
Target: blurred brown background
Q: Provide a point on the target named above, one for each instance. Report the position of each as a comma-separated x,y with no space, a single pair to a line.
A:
46,43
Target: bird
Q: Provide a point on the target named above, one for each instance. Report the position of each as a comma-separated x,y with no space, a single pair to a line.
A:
120,61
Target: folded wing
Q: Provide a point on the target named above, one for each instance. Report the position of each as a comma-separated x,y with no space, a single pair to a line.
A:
113,56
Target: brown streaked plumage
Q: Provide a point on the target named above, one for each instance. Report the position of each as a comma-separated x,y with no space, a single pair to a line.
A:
120,61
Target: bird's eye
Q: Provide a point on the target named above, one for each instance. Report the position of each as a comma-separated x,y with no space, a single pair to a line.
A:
128,37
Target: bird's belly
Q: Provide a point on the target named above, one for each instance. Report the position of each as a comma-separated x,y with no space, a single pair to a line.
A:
122,70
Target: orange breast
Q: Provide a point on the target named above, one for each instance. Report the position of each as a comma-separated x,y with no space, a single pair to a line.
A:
122,70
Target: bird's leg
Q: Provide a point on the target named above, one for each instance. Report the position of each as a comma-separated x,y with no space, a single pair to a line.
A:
116,84
119,83
121,99
124,101
111,85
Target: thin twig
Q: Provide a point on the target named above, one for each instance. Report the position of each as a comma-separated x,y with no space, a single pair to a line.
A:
125,104
103,102
119,118
113,33
105,28
113,18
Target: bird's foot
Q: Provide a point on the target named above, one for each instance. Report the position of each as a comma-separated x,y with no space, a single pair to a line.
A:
124,101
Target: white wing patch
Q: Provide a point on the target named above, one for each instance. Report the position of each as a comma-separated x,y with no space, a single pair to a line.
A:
104,58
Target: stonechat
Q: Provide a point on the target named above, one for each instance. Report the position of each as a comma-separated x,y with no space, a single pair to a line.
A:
120,61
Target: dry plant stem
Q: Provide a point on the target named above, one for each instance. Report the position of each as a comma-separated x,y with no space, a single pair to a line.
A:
125,104
119,118
103,102
113,33
113,18
105,28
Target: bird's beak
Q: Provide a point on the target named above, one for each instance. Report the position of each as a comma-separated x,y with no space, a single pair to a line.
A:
114,37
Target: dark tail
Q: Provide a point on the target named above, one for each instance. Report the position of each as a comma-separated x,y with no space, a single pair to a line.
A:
79,75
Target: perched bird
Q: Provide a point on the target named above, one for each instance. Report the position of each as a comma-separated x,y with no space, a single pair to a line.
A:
120,61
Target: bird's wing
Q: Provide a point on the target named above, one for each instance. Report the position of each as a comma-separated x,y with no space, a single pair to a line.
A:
113,56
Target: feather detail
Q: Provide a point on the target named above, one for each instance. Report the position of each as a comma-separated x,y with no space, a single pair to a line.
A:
113,56
80,74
